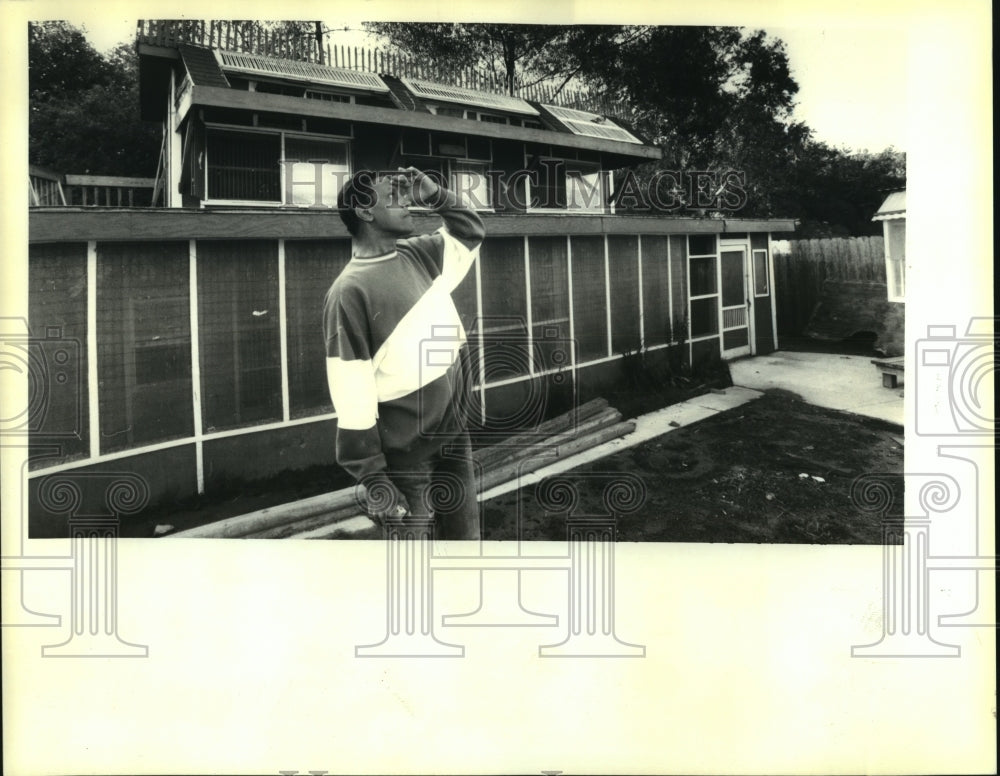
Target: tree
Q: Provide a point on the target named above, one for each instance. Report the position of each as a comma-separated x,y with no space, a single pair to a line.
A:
61,61
84,107
517,54
837,191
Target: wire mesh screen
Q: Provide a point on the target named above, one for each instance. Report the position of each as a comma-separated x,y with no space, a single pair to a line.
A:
549,301
311,266
239,332
143,343
656,290
55,355
678,279
623,258
243,165
590,301
505,309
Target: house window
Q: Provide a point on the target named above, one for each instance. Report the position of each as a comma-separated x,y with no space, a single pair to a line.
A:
314,170
568,185
266,87
312,94
526,123
243,166
247,167
703,279
704,317
760,273
441,110
491,119
468,180
471,115
448,145
470,183
895,259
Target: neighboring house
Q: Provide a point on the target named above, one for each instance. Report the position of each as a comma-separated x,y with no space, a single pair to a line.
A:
892,214
196,326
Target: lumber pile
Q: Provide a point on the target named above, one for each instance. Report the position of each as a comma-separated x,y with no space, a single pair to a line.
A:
581,429
589,425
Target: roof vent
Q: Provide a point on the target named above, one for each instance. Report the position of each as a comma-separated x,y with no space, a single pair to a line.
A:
581,122
255,64
429,90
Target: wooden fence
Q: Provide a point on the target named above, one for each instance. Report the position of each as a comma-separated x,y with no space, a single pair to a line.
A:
48,189
250,38
108,191
45,188
802,266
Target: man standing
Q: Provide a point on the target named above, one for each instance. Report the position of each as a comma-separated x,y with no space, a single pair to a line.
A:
399,403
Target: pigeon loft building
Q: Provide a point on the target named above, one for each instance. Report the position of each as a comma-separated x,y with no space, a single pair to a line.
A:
190,331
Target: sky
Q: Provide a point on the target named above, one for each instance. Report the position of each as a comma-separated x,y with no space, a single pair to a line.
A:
851,79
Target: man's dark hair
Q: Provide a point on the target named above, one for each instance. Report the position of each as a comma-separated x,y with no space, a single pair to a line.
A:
357,192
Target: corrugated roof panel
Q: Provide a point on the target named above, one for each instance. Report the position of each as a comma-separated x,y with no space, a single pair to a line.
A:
255,64
432,91
893,207
581,122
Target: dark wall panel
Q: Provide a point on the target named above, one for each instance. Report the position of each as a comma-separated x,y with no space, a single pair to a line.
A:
54,352
589,297
655,290
143,343
311,266
239,332
623,267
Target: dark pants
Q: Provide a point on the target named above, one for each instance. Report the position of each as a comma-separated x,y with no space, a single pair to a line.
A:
442,486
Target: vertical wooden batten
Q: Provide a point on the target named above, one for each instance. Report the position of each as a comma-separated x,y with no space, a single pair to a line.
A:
195,364
92,382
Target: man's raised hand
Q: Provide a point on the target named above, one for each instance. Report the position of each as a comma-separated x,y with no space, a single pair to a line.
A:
424,190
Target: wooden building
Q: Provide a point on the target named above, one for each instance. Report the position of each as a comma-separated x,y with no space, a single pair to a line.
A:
196,325
892,214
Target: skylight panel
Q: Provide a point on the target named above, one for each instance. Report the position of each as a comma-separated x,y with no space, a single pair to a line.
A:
429,90
254,64
581,122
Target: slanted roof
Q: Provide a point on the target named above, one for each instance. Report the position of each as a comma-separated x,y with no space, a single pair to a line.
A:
429,90
893,208
294,70
582,122
392,100
402,97
202,66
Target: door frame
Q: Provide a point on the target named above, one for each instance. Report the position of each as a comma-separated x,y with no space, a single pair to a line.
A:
741,245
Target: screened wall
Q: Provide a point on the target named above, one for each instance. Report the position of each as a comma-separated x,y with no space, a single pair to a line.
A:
206,340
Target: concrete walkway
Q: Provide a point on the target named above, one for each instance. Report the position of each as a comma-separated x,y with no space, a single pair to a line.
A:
847,383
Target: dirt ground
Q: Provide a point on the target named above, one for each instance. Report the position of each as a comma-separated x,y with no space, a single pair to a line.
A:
735,477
